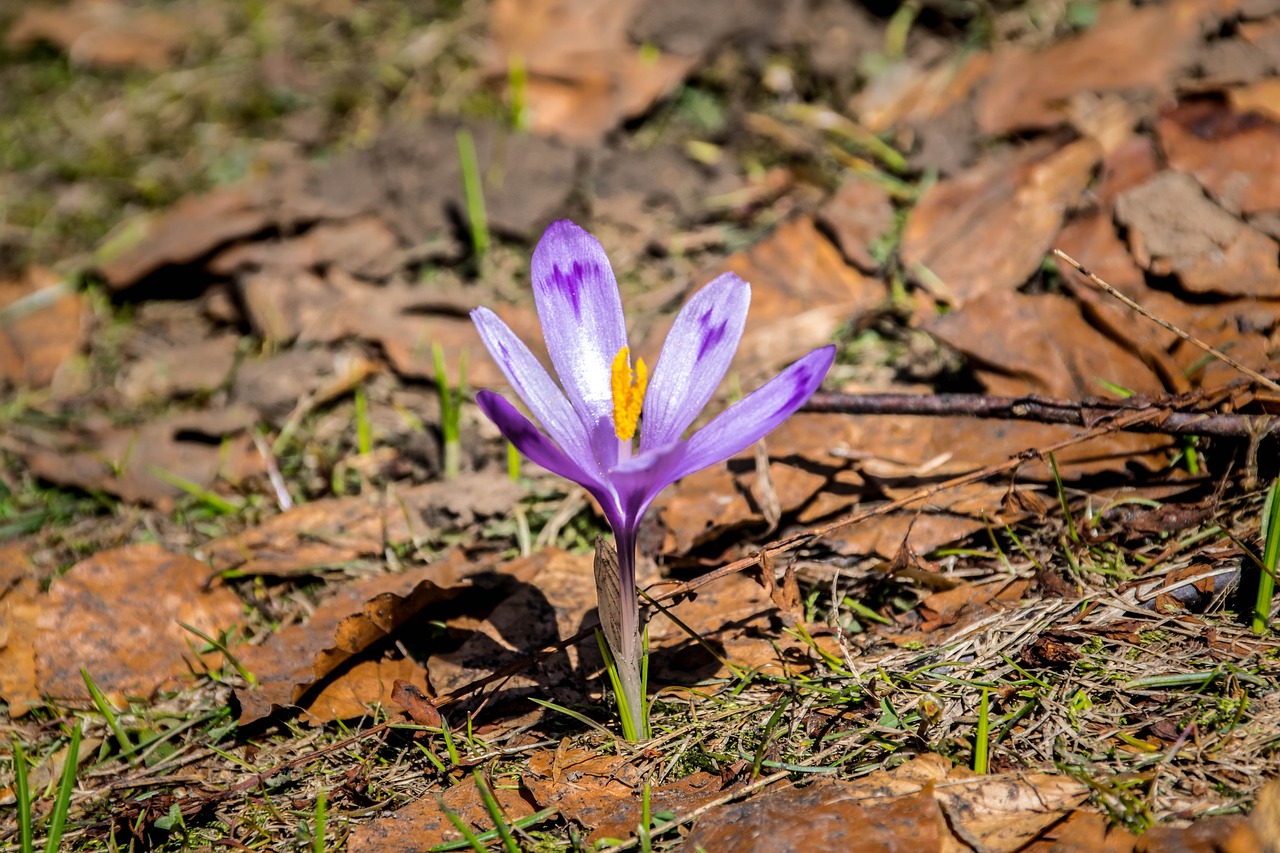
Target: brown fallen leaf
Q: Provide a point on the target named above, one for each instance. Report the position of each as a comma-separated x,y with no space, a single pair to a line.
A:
922,805
20,597
1030,88
584,75
802,292
990,227
415,703
360,687
1045,347
188,231
1175,230
1085,832
41,327
145,464
423,823
363,246
290,665
332,531
105,33
117,614
181,370
1234,155
858,215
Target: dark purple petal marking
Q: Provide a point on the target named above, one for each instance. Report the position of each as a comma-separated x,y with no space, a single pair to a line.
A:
694,359
581,315
712,334
756,415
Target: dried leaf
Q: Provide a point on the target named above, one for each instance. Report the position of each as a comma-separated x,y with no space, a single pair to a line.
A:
298,658
1234,155
117,614
20,598
105,33
41,327
423,824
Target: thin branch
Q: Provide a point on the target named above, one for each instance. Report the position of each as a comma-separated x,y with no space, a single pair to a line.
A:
1166,419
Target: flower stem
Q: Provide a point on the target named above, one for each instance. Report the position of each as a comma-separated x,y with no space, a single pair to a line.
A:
620,622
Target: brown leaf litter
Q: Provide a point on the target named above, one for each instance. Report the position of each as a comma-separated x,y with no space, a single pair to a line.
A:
319,656
119,615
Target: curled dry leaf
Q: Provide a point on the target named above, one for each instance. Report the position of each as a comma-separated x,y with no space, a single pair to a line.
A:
292,663
105,33
415,703
117,615
1234,155
20,597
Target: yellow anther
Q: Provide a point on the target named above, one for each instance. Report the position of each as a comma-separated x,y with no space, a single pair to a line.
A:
628,393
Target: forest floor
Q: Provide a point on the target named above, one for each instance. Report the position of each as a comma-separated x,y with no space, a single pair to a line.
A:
269,579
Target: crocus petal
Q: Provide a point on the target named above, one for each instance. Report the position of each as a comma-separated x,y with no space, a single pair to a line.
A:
530,441
694,358
581,315
754,416
534,385
638,480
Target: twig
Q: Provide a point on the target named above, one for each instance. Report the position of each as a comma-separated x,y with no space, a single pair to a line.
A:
1165,324
1050,411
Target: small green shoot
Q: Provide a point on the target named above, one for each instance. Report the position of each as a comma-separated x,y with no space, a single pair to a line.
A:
472,188
518,86
646,819
513,463
220,645
982,739
495,813
22,790
450,409
1270,556
317,837
62,804
108,713
364,435
1062,500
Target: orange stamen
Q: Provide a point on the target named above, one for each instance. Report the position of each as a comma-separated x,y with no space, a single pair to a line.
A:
628,393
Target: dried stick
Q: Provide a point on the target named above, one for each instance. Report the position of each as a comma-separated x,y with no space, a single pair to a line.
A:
1049,411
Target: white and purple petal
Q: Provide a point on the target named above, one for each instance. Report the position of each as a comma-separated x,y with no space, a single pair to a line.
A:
534,385
530,441
756,415
581,315
694,359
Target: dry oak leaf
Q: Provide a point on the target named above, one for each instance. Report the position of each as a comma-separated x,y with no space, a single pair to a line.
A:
1234,155
1175,230
117,615
1030,88
990,227
423,823
923,805
552,601
20,597
41,328
186,232
139,463
290,665
326,533
858,215
105,33
1045,346
603,792
584,75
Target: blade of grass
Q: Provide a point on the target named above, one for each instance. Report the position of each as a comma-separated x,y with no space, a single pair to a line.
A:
470,837
450,413
22,790
1270,555
214,501
492,835
473,190
495,813
108,713
1062,499
62,804
364,435
982,739
317,838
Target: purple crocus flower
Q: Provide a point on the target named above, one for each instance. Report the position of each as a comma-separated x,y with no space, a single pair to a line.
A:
590,417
